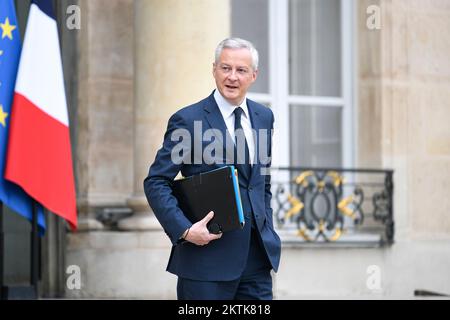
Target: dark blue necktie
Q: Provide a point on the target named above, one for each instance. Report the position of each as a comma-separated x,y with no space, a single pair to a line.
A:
246,167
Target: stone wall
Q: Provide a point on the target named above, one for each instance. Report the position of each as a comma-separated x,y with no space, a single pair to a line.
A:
404,107
403,114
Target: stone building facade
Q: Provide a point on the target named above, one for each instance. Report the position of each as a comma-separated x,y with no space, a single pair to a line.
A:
133,63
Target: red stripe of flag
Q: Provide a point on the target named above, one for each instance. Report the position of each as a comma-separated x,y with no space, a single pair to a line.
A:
40,158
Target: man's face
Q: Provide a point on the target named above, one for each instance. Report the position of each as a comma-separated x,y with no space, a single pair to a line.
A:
234,74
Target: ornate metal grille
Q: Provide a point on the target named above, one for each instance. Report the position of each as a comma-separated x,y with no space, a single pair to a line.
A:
334,204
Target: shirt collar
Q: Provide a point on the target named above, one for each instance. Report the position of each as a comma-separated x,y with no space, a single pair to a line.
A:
227,108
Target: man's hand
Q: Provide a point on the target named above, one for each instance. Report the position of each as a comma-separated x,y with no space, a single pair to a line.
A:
199,233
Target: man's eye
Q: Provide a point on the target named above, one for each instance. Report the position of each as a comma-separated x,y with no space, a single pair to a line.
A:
224,68
243,71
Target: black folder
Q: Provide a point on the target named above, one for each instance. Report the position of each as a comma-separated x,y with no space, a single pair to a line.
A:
216,190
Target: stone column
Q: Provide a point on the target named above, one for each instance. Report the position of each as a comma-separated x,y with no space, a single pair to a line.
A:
105,108
174,51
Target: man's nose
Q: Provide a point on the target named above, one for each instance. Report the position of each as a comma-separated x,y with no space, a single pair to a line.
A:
232,75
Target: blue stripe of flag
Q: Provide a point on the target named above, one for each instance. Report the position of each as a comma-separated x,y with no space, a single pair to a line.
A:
46,7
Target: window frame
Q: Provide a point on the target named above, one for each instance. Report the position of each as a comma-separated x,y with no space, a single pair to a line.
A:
281,101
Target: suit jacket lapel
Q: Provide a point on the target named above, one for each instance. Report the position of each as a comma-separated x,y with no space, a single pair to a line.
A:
215,120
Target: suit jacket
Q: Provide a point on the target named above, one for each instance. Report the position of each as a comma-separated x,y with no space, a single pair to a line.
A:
223,259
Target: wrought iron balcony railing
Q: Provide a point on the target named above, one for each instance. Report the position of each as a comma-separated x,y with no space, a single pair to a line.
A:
313,205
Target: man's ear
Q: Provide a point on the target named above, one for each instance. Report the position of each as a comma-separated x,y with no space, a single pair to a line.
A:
255,75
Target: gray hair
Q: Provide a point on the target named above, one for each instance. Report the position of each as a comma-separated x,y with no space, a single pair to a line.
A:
237,43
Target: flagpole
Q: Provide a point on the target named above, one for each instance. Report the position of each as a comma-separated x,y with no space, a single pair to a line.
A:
34,251
2,296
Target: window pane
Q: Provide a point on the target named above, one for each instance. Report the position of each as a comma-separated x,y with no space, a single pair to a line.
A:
315,47
315,136
250,21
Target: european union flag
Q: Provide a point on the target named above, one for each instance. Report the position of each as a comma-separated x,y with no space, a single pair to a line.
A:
10,194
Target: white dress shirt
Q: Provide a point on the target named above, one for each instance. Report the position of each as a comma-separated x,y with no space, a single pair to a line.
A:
227,111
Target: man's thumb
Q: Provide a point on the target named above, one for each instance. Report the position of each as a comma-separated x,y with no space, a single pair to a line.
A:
208,217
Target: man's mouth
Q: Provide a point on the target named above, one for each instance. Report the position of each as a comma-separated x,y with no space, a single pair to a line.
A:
231,86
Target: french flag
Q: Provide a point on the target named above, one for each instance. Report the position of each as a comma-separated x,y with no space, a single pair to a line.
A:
39,157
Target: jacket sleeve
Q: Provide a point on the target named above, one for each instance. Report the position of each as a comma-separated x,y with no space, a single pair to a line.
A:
162,172
268,192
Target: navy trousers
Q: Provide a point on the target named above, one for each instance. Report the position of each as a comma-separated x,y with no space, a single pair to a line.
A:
255,282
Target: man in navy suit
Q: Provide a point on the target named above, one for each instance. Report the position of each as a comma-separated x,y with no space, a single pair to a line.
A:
235,264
